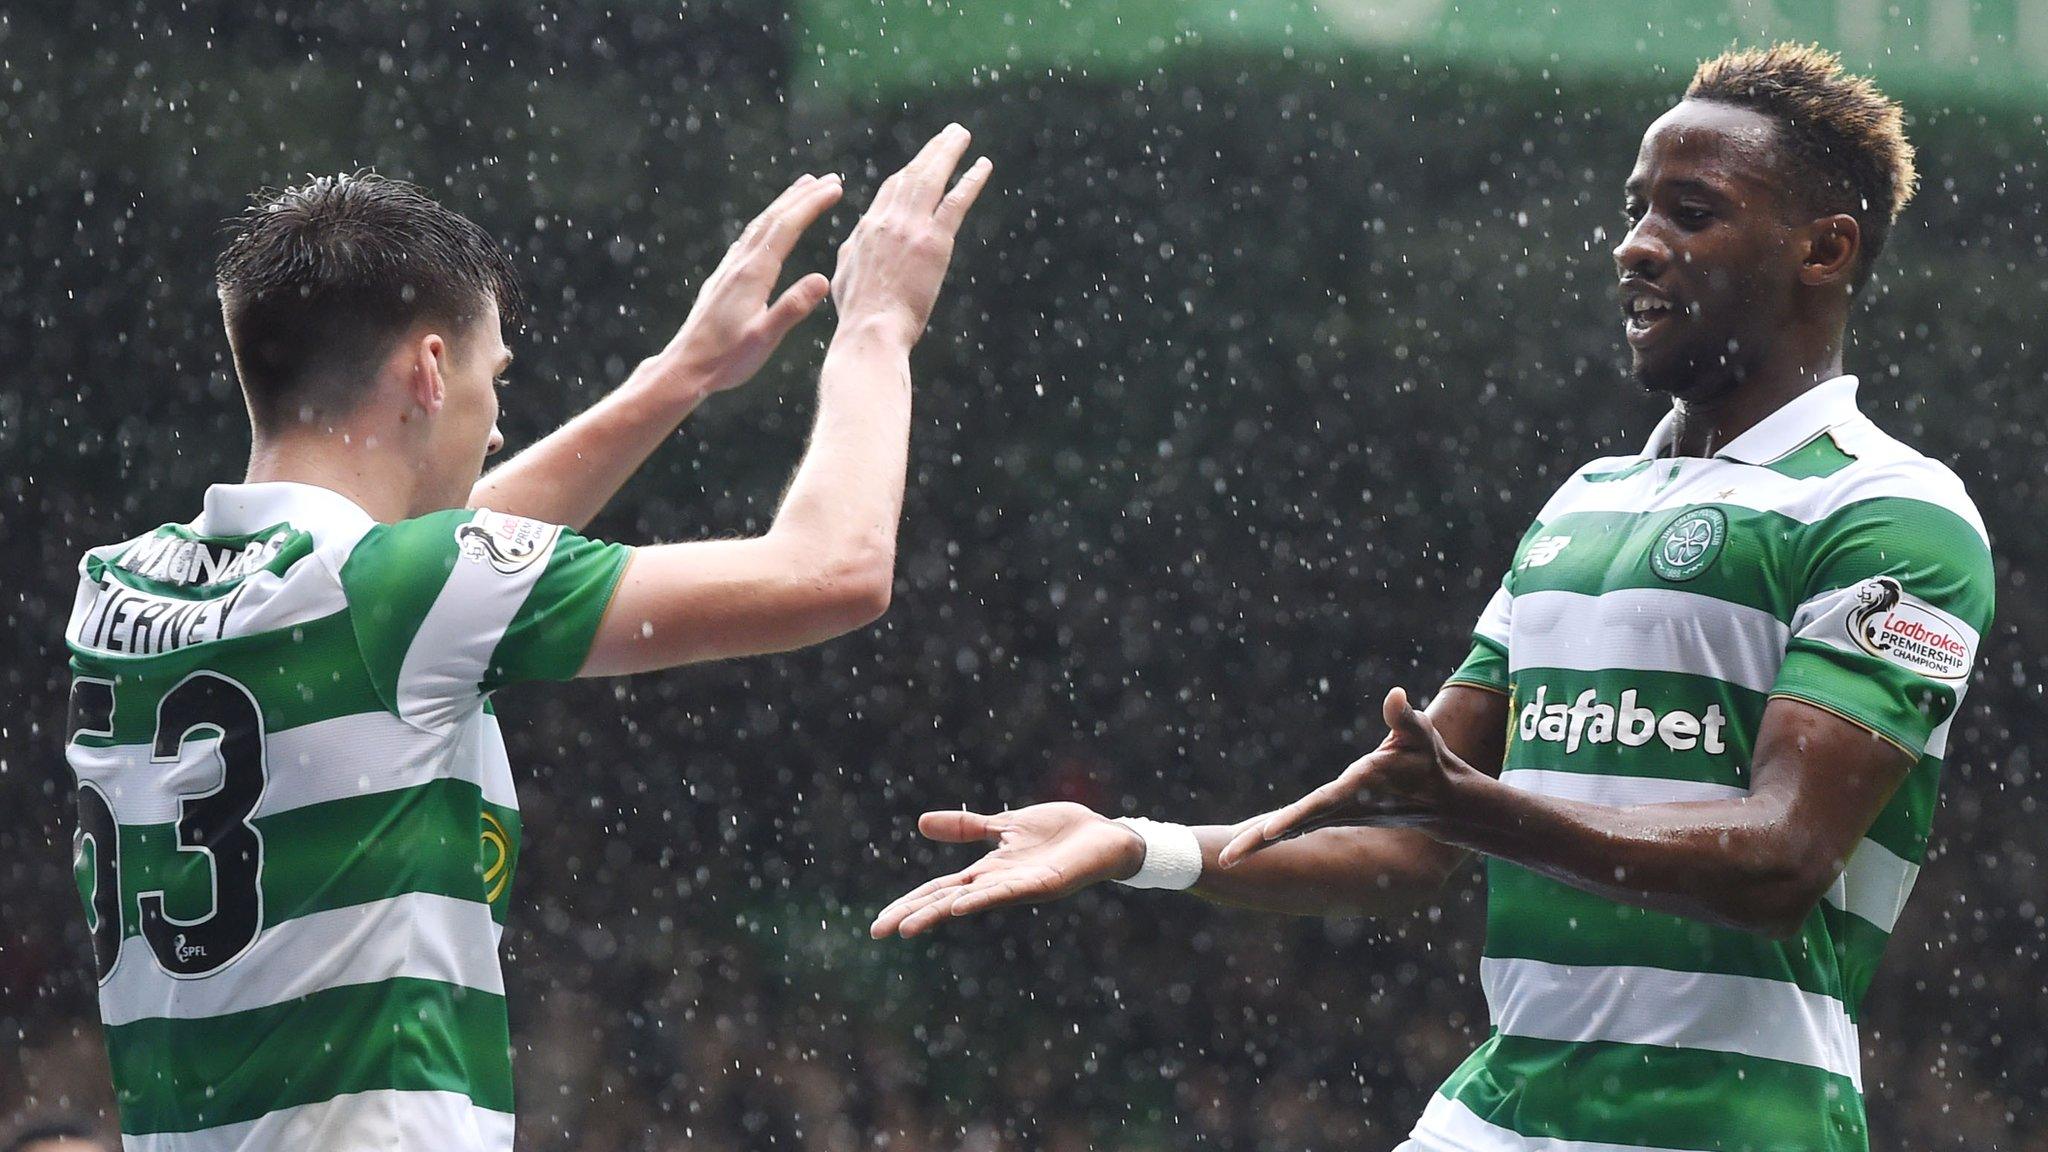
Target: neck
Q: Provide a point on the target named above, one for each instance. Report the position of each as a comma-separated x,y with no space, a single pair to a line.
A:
1704,425
340,460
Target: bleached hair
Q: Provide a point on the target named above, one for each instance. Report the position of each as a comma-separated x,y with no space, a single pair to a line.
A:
1847,139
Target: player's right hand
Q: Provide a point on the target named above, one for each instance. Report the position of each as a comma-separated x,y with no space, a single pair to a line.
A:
1042,853
733,327
891,267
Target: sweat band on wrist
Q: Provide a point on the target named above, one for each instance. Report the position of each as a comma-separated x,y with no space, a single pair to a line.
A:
1173,857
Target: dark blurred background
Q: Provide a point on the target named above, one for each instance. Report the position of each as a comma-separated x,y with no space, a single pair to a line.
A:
1276,327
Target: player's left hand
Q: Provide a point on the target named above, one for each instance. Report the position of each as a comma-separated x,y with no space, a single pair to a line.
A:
1410,781
1041,853
734,327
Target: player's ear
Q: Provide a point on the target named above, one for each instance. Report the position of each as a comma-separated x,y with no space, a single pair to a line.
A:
1832,245
425,380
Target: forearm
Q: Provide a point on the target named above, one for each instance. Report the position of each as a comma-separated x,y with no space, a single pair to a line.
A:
568,476
1742,863
847,495
1329,872
1358,870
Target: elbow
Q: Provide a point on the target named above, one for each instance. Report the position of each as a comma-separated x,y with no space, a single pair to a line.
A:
867,599
1776,924
833,586
1778,902
859,585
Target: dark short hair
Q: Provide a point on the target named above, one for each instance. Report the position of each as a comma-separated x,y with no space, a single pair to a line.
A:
1847,140
320,278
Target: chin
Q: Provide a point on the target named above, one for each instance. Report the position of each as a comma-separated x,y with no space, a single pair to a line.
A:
1684,377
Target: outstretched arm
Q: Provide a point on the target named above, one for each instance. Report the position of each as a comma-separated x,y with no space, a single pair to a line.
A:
569,475
1757,862
826,565
1048,851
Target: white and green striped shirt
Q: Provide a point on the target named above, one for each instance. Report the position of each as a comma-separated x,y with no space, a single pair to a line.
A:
1652,610
297,825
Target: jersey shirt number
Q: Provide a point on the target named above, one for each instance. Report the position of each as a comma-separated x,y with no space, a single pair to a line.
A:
214,824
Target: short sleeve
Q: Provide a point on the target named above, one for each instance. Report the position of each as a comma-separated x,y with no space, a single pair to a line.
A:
1896,596
550,635
1486,665
451,606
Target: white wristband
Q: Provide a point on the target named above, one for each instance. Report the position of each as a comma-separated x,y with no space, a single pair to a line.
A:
1173,857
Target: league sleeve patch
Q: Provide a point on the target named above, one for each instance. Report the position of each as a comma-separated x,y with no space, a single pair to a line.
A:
1887,622
510,544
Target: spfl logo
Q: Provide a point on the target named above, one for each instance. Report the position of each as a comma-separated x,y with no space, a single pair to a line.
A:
508,543
1914,635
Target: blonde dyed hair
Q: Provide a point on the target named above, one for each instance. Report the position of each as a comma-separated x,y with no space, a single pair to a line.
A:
1846,138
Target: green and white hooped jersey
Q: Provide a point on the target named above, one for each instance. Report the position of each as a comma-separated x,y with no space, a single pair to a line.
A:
296,823
1649,614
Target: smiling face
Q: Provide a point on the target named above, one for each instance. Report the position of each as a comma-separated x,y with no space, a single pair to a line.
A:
1710,267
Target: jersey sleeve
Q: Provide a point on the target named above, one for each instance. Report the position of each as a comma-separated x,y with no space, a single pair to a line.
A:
1486,665
1896,596
452,606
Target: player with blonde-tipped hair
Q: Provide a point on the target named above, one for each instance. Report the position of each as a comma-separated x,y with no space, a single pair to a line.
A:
1698,734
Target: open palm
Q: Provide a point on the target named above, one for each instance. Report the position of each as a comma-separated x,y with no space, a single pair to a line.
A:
1042,853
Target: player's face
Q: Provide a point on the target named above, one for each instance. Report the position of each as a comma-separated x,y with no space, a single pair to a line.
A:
1710,263
468,429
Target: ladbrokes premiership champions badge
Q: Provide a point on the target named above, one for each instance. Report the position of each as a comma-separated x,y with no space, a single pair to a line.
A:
508,543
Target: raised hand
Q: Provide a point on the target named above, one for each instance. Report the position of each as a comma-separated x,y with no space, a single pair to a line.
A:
732,329
1410,780
1042,853
891,267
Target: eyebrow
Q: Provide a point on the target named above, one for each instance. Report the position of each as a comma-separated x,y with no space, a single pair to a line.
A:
1681,184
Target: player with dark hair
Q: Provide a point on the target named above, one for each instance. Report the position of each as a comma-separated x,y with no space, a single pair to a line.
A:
1698,735
296,823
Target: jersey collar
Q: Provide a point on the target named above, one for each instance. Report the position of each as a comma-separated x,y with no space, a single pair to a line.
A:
1828,404
234,509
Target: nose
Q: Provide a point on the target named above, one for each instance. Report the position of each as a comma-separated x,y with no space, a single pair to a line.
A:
496,442
1643,252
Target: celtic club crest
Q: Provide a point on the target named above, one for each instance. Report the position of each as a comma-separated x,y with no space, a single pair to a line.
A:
1689,544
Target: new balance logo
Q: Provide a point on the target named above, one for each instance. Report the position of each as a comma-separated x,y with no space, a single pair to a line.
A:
1543,550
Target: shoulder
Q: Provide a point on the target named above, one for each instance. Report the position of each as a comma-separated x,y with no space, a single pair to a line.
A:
1892,515
1593,476
1886,475
406,550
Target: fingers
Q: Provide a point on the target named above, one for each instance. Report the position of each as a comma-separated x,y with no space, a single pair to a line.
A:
796,188
759,223
800,300
891,918
921,181
796,210
1251,837
1408,722
995,894
1281,823
953,209
957,827
965,897
1396,710
936,910
910,917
